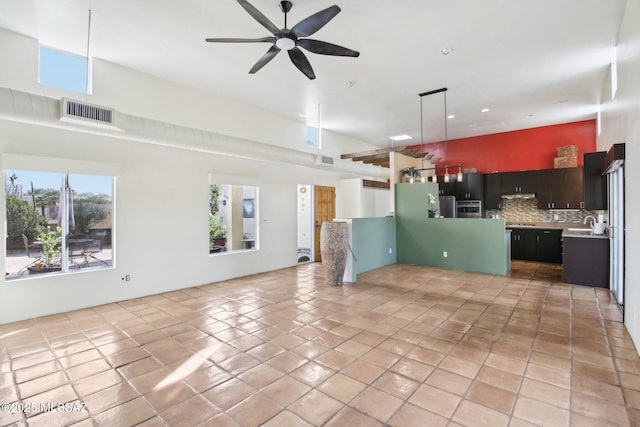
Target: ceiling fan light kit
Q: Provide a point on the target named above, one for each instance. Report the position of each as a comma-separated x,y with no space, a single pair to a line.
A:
291,39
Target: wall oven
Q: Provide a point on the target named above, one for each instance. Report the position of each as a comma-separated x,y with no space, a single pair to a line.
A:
469,209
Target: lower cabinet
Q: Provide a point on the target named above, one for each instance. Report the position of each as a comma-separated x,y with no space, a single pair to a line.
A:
586,261
539,245
549,246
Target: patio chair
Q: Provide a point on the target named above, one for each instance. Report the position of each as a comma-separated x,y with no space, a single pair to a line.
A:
96,246
78,254
29,249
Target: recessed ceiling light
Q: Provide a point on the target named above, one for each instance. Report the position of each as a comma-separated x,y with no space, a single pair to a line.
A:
399,137
484,110
350,83
451,116
445,50
529,116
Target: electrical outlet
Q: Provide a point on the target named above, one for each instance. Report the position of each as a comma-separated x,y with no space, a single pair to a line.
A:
390,250
445,254
556,217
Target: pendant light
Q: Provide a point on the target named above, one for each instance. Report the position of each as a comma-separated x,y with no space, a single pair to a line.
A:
447,177
446,142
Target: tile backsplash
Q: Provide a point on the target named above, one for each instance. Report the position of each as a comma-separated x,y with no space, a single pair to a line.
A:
526,210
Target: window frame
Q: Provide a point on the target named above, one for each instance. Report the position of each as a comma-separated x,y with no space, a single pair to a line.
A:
250,243
17,162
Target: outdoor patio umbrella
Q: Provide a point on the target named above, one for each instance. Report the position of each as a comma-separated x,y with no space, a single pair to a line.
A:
67,195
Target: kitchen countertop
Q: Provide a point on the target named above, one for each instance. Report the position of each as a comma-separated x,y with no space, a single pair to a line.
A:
564,226
584,234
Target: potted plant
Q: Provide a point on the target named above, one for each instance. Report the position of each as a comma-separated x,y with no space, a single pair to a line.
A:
217,233
411,172
50,239
433,206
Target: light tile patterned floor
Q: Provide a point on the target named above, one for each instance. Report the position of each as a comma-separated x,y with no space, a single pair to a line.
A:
405,346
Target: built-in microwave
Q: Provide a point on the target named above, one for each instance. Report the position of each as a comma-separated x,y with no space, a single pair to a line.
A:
469,208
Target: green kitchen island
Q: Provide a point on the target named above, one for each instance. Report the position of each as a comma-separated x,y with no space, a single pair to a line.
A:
468,244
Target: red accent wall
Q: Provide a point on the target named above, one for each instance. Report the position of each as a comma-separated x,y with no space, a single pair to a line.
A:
526,149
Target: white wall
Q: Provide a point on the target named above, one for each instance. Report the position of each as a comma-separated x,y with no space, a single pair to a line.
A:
621,124
355,201
375,202
161,230
349,198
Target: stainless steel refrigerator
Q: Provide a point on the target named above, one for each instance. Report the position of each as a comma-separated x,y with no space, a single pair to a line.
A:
447,206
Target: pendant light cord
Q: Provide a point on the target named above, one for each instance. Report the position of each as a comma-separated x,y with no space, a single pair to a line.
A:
446,136
421,135
86,95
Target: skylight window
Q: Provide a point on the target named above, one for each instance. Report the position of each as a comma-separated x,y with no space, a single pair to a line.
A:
63,70
399,137
313,137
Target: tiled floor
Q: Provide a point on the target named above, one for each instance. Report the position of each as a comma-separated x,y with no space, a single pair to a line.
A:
405,346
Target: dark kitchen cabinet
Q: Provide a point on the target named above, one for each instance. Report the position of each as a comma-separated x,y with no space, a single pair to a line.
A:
492,191
594,184
544,193
549,246
446,188
469,189
518,182
574,188
586,261
523,244
540,245
560,188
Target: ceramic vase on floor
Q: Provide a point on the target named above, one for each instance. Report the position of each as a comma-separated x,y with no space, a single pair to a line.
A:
334,246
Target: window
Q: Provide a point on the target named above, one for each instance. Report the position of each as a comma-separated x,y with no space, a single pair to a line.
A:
63,69
313,137
233,218
57,223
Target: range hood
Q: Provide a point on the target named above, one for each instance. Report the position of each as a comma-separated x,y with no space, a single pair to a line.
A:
519,196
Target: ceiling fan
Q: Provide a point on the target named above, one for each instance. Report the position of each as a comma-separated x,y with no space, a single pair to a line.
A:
291,39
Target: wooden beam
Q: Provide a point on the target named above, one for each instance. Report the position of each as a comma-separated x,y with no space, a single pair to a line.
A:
371,159
375,184
372,152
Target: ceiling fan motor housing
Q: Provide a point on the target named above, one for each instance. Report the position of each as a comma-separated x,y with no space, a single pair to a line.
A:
286,6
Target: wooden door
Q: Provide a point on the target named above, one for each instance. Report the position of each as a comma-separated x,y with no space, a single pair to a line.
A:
324,210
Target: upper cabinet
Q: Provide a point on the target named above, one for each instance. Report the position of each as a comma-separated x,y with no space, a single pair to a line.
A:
446,188
469,189
518,182
492,191
560,188
595,184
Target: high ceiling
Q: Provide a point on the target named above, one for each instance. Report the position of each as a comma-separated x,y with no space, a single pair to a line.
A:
531,63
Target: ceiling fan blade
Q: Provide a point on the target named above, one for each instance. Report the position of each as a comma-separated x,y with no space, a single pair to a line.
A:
301,62
271,53
324,48
233,40
313,23
258,16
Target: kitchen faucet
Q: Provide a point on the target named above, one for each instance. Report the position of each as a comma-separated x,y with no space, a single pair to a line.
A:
592,217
